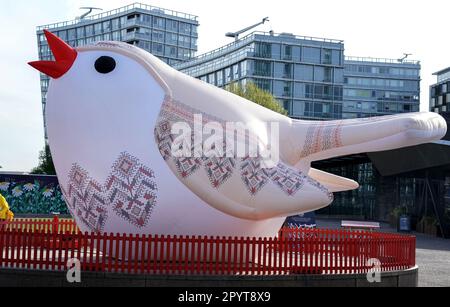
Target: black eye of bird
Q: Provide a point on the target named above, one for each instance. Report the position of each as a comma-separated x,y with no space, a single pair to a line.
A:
105,64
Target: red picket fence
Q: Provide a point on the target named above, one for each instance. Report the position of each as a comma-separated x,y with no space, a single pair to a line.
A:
305,251
42,225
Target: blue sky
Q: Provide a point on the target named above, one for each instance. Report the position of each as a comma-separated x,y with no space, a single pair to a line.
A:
369,28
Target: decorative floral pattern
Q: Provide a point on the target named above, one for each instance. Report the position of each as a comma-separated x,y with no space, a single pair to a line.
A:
48,193
17,192
4,186
30,194
29,187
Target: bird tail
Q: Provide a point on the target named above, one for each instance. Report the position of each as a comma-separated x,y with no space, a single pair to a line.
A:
328,139
324,140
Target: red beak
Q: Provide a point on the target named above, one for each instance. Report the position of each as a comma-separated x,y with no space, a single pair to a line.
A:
64,54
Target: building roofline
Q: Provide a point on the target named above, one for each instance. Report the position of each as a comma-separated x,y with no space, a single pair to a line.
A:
153,9
443,71
248,38
380,60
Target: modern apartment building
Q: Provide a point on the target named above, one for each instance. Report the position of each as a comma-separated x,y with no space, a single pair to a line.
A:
305,74
440,92
172,36
374,87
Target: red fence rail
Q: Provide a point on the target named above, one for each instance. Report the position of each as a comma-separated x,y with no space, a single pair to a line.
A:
307,251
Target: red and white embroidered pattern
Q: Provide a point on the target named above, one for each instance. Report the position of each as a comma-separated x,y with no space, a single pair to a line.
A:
321,137
254,176
86,199
219,170
131,190
287,179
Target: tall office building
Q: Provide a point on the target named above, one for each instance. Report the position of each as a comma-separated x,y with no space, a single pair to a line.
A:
440,92
305,74
375,87
170,35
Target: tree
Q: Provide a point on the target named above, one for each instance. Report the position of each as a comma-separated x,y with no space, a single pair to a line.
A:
253,93
45,166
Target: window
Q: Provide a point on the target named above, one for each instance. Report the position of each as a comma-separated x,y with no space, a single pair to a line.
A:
336,57
244,68
328,74
228,76
115,24
212,79
326,56
158,22
262,68
338,75
172,38
319,74
311,55
193,43
299,90
62,35
158,36
309,90
219,78
89,30
287,54
304,72
298,108
107,26
172,25
98,28
147,19
72,34
185,41
157,48
171,51
287,105
287,74
263,50
184,53
185,28
263,84
236,72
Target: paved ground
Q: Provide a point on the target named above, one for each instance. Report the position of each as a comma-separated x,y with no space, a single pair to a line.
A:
433,256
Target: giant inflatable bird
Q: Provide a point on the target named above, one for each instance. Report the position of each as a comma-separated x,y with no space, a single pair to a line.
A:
112,111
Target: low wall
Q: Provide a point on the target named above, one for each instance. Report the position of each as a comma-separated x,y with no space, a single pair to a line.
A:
33,278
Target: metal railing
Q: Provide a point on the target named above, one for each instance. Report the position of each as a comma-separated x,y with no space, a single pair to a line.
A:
152,9
380,60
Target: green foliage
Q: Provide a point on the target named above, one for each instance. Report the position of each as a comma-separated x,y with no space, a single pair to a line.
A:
253,93
45,166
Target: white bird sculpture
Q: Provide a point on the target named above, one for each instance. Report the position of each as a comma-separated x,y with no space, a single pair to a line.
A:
112,114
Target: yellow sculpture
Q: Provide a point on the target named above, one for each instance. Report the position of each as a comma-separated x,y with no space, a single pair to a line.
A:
5,213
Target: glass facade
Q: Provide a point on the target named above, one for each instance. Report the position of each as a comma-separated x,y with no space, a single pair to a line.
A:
440,92
304,74
171,36
374,87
